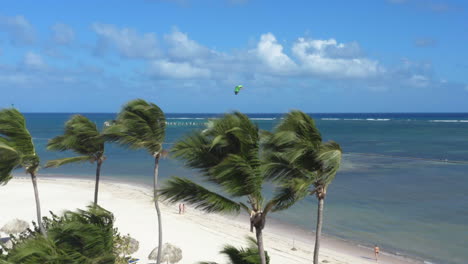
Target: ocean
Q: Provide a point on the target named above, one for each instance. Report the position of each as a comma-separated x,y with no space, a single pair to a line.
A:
403,183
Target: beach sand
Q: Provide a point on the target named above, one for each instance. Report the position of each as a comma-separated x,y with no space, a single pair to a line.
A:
200,236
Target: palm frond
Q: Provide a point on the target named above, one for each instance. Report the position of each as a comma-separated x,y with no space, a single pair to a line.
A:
183,190
59,162
289,193
237,175
330,158
81,136
9,160
140,125
13,129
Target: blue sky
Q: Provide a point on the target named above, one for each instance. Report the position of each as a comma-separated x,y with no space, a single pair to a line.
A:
187,55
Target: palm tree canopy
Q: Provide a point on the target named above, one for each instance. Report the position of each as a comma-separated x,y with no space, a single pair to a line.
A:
81,237
226,154
16,142
140,125
241,255
82,137
298,159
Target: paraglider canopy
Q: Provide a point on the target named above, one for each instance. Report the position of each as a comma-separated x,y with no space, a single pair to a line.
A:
237,89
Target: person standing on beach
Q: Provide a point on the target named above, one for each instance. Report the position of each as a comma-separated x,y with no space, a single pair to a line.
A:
376,252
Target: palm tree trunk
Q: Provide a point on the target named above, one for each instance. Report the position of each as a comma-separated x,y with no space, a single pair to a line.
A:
261,250
318,231
96,187
38,204
156,205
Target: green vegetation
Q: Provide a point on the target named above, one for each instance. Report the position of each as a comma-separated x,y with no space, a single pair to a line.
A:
142,125
82,137
241,255
81,237
301,164
17,151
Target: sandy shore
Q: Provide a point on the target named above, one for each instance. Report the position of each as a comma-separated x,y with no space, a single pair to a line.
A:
199,235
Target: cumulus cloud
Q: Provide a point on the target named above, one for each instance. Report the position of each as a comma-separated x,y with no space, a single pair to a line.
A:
34,61
177,70
62,34
128,42
181,47
270,52
20,31
328,58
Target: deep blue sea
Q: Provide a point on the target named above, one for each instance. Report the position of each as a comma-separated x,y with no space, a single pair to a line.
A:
416,205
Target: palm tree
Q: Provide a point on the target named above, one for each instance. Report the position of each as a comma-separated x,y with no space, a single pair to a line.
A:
302,164
241,255
226,154
80,237
141,125
17,149
82,137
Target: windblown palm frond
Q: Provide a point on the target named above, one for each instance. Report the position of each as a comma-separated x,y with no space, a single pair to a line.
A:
290,193
227,153
60,162
9,160
183,190
82,237
81,136
14,134
139,125
329,156
241,255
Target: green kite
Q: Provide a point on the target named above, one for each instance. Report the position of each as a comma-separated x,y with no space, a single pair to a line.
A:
237,89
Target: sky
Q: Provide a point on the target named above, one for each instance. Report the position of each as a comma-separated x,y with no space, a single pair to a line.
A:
186,56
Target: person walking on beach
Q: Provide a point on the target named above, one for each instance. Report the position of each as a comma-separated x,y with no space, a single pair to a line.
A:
180,208
376,252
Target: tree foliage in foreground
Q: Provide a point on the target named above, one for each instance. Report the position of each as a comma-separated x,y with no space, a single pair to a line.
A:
81,237
242,255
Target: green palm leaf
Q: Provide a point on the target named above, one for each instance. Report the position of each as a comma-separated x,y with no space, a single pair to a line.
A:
13,129
139,125
9,160
81,136
59,162
183,190
329,156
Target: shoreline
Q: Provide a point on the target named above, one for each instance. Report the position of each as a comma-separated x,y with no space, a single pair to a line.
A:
283,234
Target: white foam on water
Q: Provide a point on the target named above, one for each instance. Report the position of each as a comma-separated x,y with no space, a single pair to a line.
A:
262,118
449,121
377,119
330,118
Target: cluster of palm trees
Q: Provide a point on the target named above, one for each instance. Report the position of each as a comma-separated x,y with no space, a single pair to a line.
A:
232,153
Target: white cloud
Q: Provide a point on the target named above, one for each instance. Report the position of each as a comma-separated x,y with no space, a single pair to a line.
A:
270,52
126,41
20,31
419,81
327,58
176,70
62,34
34,61
181,47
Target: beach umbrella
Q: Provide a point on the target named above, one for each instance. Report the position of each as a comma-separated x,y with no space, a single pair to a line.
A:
170,253
15,226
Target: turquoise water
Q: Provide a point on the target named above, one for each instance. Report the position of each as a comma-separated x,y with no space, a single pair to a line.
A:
416,207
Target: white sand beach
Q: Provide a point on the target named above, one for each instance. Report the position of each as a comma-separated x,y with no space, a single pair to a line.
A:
199,235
